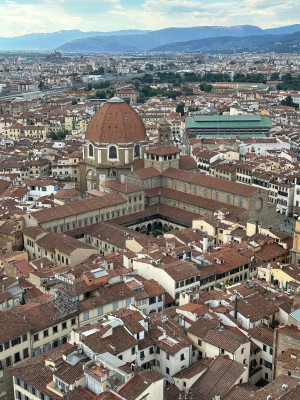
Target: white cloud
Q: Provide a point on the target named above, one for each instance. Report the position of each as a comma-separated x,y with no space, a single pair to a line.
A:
23,16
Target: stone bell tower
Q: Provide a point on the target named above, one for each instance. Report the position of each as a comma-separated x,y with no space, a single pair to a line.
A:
165,155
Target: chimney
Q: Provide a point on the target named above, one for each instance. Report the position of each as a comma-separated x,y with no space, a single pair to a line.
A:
235,307
205,242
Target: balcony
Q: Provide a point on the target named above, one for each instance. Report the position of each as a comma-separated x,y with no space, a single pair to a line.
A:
55,389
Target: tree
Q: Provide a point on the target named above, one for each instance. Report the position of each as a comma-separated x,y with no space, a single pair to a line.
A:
172,94
101,85
59,135
74,101
180,108
274,76
189,92
205,87
98,71
289,102
89,87
100,94
150,67
156,233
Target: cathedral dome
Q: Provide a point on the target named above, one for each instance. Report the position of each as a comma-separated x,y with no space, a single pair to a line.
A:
115,122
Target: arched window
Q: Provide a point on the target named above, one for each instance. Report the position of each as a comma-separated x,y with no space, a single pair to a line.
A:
91,150
112,153
136,150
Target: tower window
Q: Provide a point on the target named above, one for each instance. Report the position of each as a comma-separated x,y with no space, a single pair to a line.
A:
112,153
136,150
91,150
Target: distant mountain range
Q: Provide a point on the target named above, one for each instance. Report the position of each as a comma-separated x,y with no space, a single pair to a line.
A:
155,39
202,38
50,41
277,43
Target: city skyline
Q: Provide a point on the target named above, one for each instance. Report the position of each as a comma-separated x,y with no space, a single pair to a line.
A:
19,17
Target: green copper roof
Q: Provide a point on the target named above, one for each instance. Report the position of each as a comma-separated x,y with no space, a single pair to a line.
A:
228,135
227,121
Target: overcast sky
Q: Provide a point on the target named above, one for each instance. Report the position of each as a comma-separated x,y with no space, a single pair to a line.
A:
18,17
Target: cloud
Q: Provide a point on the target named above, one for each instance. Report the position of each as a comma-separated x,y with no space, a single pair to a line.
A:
23,16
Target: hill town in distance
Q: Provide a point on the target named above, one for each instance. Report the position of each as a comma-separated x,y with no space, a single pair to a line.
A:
150,215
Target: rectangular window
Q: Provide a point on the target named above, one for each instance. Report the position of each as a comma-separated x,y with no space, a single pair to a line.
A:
25,353
8,361
24,337
17,357
64,325
168,356
46,333
264,347
132,350
36,337
85,315
100,311
167,370
115,306
73,321
182,357
55,329
15,341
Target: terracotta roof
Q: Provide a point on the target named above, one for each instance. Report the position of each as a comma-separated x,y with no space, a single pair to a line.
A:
187,163
115,122
202,326
121,187
161,151
263,334
241,392
193,369
226,339
23,266
219,378
210,182
62,242
139,383
34,372
77,207
256,307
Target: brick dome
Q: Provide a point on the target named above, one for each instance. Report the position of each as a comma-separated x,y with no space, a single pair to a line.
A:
115,122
